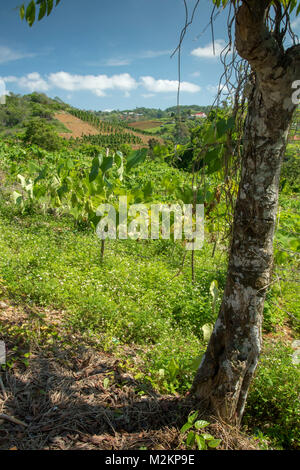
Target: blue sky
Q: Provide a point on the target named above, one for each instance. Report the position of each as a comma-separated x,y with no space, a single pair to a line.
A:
112,54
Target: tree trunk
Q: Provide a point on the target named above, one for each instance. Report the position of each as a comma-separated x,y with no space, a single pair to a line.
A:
227,368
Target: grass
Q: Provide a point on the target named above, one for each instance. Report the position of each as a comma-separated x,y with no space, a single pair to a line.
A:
167,129
145,125
60,127
138,301
133,299
130,298
273,407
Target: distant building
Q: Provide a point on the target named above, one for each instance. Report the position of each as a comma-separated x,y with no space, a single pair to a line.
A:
199,116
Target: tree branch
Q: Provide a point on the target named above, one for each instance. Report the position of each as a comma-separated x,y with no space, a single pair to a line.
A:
254,41
275,68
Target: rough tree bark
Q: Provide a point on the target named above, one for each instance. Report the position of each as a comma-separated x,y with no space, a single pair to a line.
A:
227,368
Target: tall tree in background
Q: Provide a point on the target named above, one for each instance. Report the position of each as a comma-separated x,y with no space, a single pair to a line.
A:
227,368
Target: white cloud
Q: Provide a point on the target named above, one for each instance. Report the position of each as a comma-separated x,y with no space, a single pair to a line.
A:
296,23
195,74
97,84
10,79
8,55
32,82
167,86
207,51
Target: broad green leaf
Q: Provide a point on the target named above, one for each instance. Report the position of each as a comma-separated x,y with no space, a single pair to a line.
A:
46,6
135,158
43,9
69,164
207,330
190,440
41,175
22,12
106,382
107,182
214,443
94,170
100,158
22,180
62,190
30,13
119,161
192,417
207,437
186,427
29,189
214,291
17,198
107,164
201,424
200,442
49,6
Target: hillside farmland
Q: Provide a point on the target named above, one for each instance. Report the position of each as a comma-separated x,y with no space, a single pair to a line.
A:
80,128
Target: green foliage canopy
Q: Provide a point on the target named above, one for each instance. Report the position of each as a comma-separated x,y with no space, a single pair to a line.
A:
41,133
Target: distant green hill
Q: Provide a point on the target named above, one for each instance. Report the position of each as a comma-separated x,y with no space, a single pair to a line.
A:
193,108
19,110
143,113
33,113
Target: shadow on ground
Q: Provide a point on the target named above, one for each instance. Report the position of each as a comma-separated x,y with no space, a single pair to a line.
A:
86,402
74,397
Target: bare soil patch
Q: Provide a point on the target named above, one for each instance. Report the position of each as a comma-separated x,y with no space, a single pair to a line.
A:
77,127
80,128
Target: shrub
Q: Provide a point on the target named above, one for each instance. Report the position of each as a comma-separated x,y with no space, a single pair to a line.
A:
40,133
290,174
273,404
